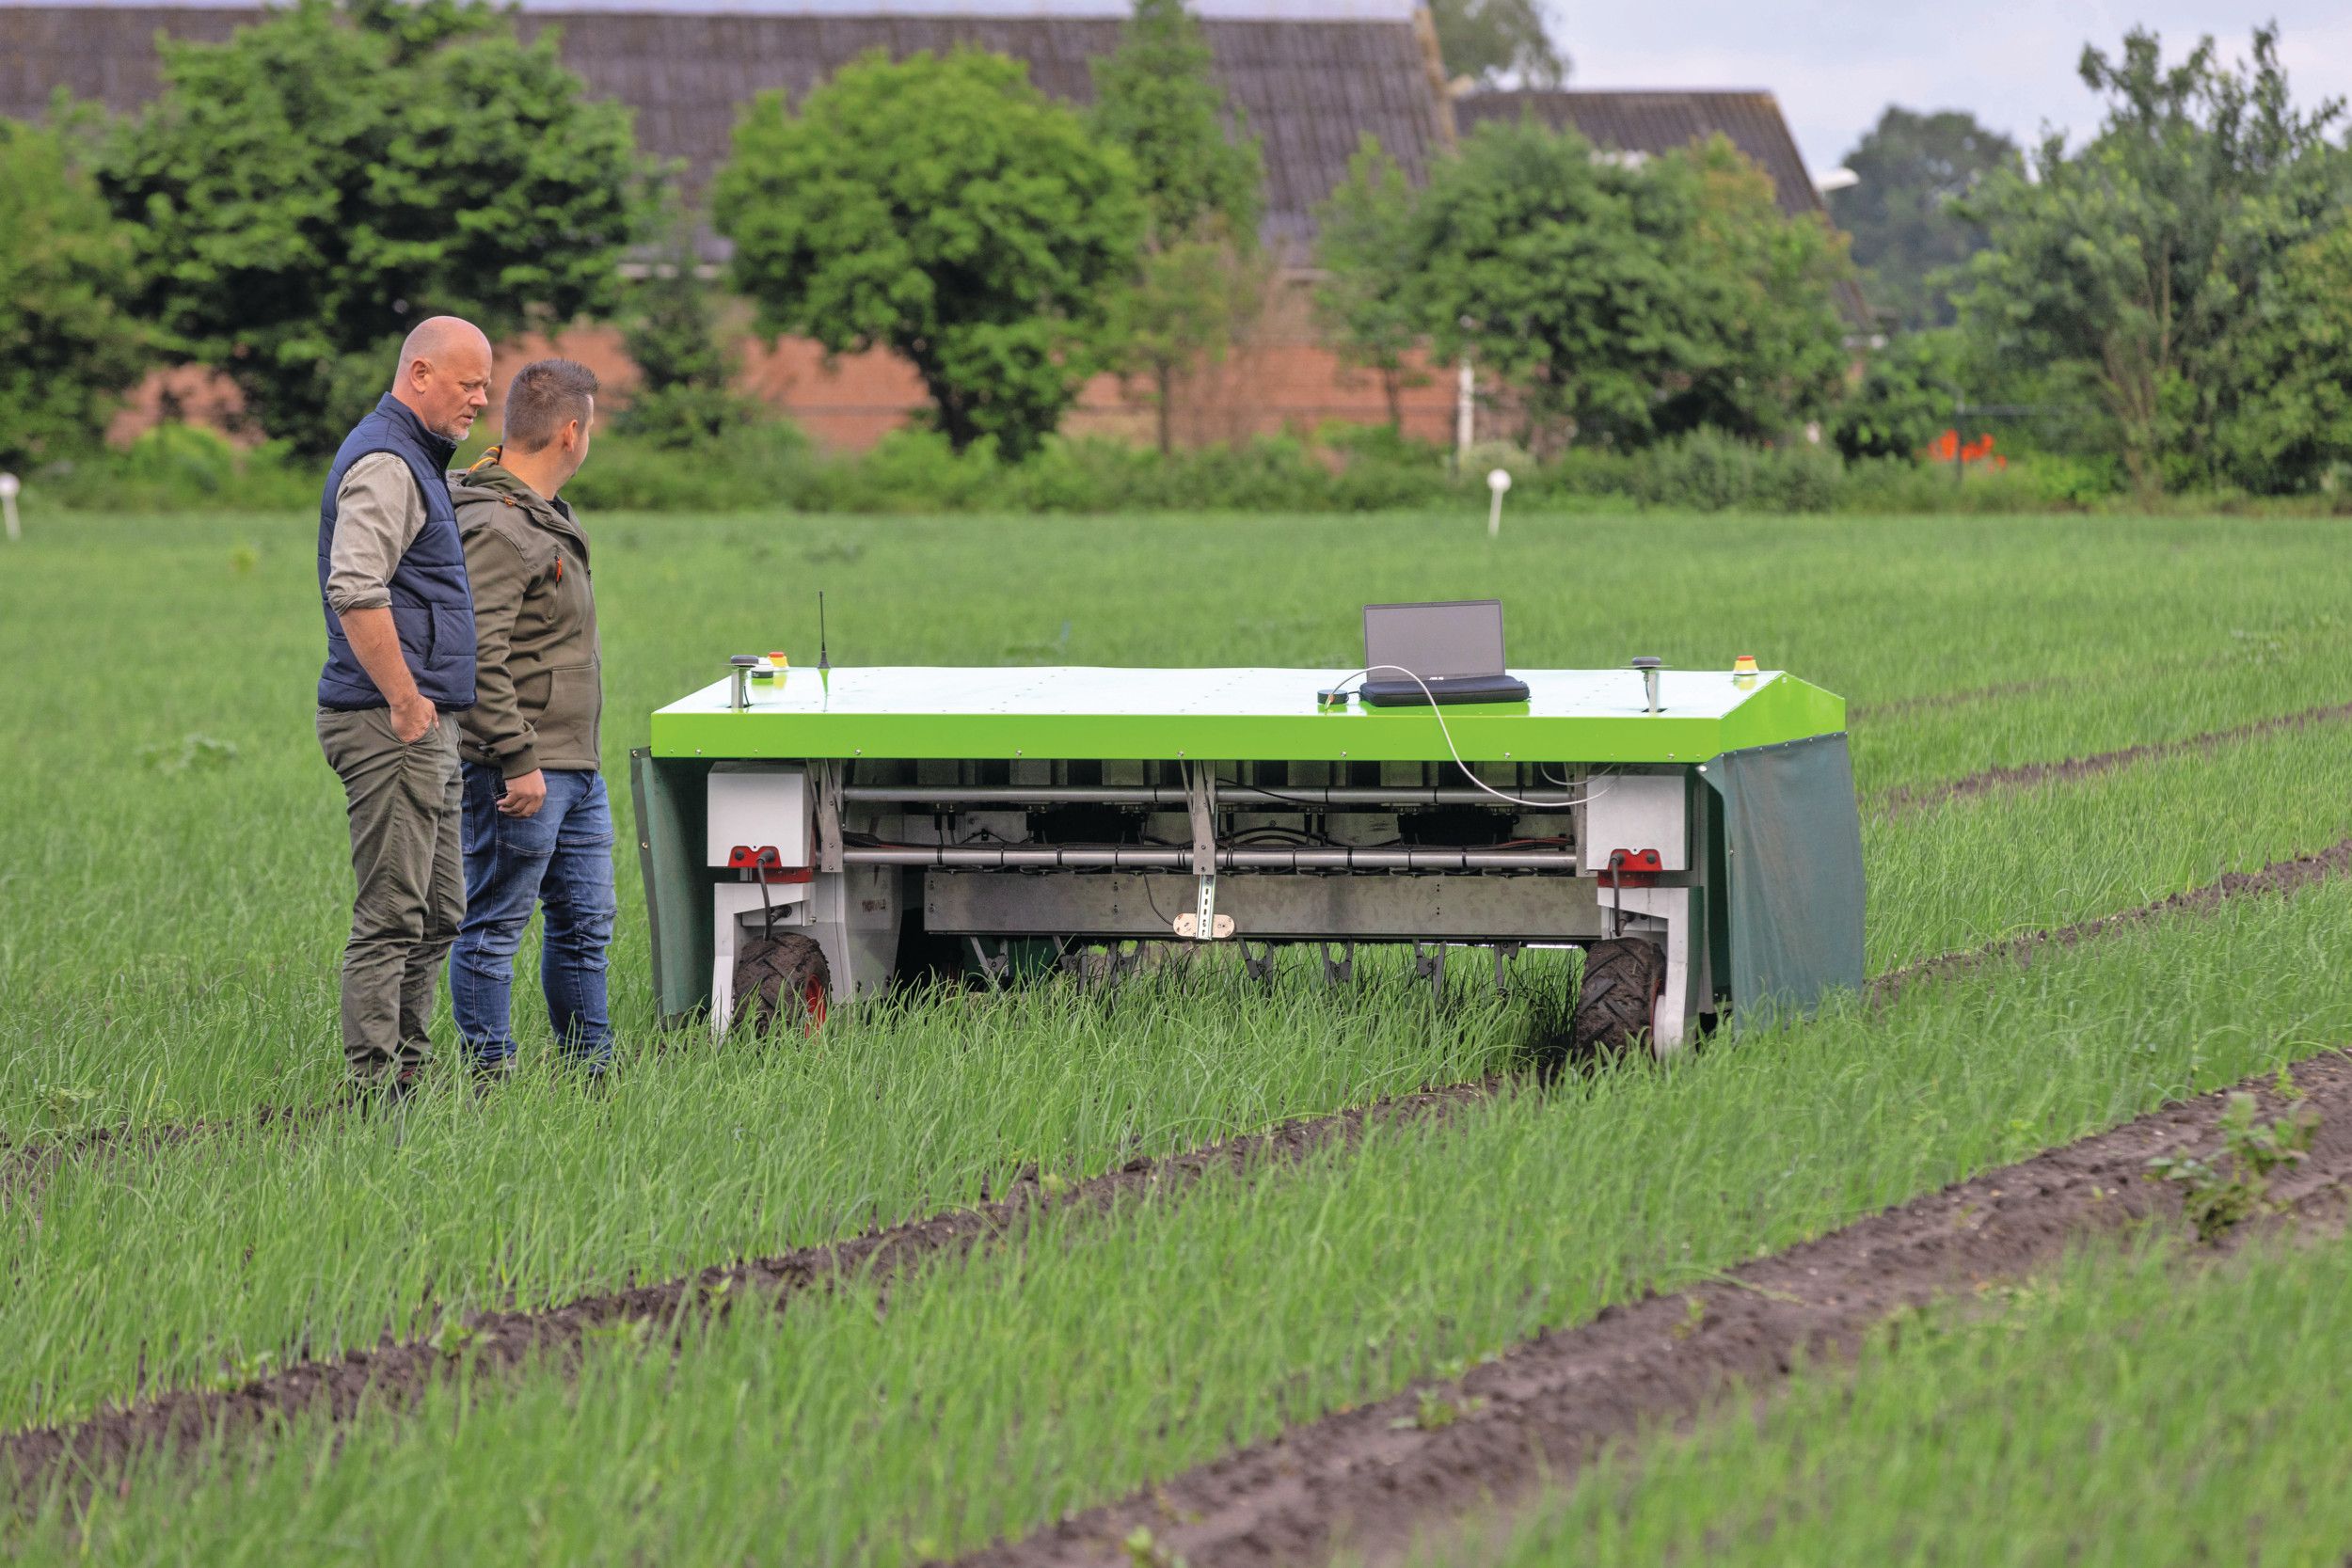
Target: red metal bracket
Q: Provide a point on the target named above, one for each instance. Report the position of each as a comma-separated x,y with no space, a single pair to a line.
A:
1631,868
749,857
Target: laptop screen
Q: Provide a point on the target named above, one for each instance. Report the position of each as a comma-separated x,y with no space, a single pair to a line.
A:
1460,638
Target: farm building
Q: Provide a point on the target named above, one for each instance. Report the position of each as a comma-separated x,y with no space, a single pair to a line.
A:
1313,77
1646,123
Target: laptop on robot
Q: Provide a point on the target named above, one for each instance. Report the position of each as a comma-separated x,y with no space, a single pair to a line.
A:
1454,647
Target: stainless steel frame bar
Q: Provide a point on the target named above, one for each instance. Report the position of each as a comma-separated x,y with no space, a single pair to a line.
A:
1142,858
1145,905
1231,796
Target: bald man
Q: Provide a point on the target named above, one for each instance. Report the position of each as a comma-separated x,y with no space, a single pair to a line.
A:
400,666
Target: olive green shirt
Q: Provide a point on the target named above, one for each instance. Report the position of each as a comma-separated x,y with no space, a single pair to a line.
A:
539,675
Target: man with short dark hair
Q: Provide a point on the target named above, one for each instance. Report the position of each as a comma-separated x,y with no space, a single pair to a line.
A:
400,666
538,828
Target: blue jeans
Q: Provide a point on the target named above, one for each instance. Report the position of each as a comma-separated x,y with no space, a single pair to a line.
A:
561,856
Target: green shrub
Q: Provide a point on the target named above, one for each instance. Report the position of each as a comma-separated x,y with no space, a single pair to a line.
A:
768,465
181,468
1905,400
190,456
773,465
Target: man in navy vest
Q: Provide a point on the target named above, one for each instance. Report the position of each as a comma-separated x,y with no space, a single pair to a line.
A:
400,666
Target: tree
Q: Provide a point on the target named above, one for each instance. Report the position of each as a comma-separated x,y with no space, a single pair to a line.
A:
1762,294
686,396
1364,242
1621,303
1906,398
1907,230
1528,255
2130,269
2292,427
66,346
982,239
310,189
1157,96
1488,40
1189,301
1202,179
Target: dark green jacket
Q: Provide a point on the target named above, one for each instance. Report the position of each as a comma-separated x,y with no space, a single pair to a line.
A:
539,680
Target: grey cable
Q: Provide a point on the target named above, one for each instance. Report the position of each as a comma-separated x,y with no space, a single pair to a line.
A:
1437,713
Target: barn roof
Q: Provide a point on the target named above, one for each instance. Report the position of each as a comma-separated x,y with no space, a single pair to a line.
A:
1660,121
1312,75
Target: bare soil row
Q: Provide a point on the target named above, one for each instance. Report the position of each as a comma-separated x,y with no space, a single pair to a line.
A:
2279,877
23,1169
2027,775
392,1373
24,1165
1372,1480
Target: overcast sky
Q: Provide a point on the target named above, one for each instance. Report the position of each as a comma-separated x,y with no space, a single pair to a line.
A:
1834,64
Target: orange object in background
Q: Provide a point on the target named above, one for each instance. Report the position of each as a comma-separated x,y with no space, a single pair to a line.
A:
1947,448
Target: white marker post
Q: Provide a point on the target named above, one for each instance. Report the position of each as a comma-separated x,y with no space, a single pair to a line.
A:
9,488
1497,482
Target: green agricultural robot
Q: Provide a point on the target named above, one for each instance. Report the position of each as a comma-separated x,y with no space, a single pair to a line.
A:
807,834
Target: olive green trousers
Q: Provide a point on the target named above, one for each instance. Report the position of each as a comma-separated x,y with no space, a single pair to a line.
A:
407,861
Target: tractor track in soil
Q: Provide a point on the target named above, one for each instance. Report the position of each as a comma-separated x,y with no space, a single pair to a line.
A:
1903,801
392,1373
22,1165
1371,1480
1932,701
2279,877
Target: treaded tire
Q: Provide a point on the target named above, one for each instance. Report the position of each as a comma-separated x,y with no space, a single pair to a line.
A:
1623,980
781,978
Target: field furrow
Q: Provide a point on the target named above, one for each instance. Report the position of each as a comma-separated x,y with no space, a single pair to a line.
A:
1006,1387
1191,1267
2279,877
2025,775
1370,1480
2153,1401
1973,870
1990,872
393,1376
398,1366
264,1246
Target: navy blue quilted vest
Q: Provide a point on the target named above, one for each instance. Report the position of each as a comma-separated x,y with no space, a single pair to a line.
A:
432,605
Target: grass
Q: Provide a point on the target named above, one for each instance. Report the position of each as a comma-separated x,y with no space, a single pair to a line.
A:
2147,1408
1976,869
172,880
261,1246
995,1393
172,902
255,1248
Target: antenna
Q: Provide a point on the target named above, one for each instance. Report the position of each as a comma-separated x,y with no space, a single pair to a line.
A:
824,663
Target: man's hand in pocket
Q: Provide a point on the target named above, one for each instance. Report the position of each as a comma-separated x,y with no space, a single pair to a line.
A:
524,795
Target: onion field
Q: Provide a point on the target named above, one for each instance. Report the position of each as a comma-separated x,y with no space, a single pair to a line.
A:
2102,764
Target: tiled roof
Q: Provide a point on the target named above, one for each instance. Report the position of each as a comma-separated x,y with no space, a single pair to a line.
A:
1654,122
1310,88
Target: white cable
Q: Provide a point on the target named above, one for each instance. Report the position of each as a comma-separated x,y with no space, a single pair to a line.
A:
1436,712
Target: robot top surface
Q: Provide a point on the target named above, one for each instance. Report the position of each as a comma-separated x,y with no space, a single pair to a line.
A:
1257,715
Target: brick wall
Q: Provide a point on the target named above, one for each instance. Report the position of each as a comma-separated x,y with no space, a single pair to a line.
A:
1273,385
